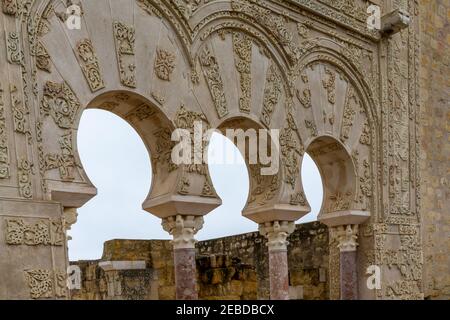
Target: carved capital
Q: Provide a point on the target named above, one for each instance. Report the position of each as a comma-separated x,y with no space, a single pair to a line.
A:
183,229
276,233
70,217
346,237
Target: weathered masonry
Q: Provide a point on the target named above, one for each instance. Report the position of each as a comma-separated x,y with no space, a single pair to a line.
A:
370,107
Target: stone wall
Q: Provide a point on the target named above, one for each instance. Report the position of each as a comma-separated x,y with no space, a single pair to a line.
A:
233,267
435,93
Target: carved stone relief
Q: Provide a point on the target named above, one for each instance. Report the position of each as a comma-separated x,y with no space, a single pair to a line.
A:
125,37
9,7
4,147
43,232
64,161
291,150
13,48
60,102
24,174
164,64
242,45
214,80
90,65
272,94
45,283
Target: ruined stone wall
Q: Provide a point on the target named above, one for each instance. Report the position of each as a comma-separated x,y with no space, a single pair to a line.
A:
233,267
435,139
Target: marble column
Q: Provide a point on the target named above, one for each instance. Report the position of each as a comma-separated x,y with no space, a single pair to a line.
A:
347,244
276,233
183,229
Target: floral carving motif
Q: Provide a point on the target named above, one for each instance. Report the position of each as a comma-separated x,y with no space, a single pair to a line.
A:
90,65
60,102
349,113
365,135
272,94
340,201
164,64
65,161
125,37
141,112
243,60
42,57
24,174
9,7
13,49
40,283
329,84
4,148
42,232
214,80
291,150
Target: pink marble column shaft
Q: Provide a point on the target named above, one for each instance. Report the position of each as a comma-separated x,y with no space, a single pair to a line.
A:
348,275
279,276
185,274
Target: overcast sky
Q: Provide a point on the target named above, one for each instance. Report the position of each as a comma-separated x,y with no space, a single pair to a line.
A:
118,164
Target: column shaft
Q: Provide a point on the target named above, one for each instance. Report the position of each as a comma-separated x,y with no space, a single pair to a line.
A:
185,274
348,275
279,275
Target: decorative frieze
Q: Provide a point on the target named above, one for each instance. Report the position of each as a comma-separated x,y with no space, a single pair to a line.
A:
4,147
124,36
214,80
43,232
89,65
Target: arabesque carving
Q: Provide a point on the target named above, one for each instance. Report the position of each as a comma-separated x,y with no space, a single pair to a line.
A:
124,36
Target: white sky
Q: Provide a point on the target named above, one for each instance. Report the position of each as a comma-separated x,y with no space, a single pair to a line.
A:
118,164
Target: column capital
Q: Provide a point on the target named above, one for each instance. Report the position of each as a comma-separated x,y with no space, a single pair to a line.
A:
346,236
183,229
276,233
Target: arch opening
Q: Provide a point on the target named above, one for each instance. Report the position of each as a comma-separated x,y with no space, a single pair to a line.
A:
312,187
338,174
116,160
227,167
